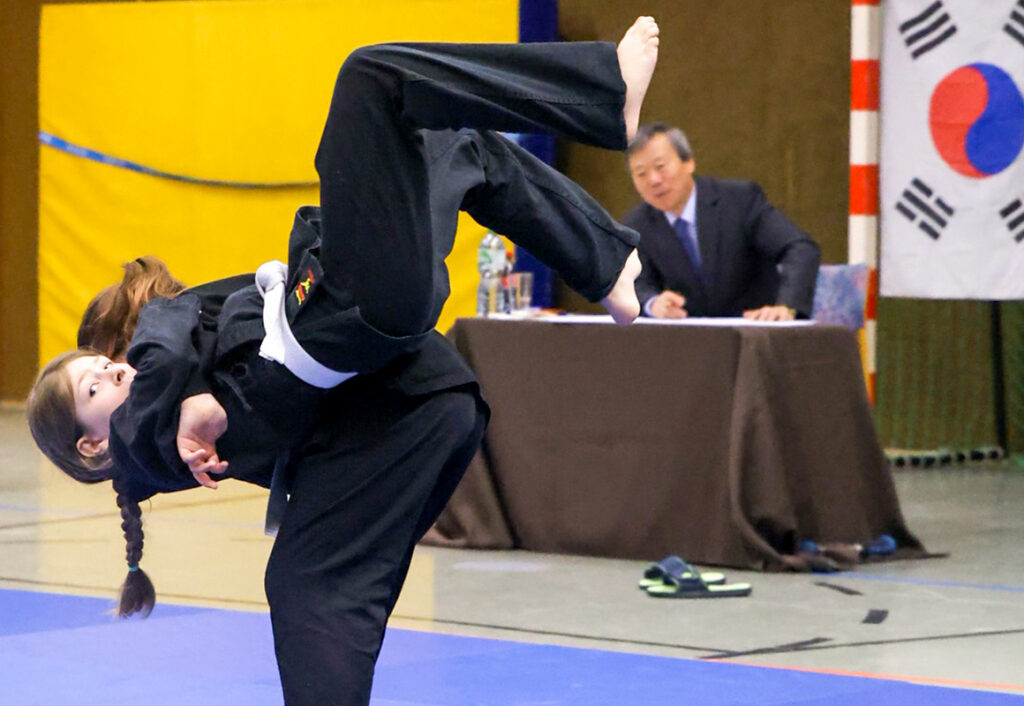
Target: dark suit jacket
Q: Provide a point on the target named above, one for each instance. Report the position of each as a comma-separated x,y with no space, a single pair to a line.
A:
751,252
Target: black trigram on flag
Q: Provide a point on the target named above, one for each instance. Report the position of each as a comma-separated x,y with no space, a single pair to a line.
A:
927,29
1015,25
923,206
1013,216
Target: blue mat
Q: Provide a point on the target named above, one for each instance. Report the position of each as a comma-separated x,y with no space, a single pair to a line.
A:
60,650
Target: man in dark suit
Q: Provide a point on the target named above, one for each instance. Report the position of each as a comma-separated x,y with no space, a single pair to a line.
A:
712,247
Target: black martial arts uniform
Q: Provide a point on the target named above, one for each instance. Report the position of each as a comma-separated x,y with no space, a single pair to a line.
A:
373,461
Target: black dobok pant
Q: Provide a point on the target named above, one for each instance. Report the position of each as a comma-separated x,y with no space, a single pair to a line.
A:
404,149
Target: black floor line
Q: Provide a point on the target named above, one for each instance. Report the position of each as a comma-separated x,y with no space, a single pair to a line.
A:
923,638
797,647
59,520
59,584
841,589
788,647
809,645
96,515
33,540
555,633
94,591
411,618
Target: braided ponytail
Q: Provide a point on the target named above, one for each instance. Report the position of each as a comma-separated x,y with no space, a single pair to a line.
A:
137,592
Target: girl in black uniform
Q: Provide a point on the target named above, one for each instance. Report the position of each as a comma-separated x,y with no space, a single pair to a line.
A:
326,380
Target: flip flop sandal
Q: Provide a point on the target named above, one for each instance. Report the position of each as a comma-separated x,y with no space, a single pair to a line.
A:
814,559
673,566
695,588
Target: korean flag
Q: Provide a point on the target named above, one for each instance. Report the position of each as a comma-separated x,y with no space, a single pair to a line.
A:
951,164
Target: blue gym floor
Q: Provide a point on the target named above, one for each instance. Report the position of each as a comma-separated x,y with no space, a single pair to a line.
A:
62,649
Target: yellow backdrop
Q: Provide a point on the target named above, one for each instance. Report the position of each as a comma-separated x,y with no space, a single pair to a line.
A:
228,91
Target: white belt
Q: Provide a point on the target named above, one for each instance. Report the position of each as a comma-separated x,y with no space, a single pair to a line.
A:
279,343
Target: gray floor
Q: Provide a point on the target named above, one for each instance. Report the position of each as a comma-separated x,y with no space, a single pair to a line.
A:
959,618
956,621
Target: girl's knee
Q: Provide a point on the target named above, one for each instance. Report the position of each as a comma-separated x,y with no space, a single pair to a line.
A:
356,59
399,316
365,57
465,417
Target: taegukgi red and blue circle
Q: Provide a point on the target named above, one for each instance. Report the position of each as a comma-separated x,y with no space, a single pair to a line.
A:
976,116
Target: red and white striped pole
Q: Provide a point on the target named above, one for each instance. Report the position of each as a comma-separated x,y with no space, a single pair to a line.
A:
865,44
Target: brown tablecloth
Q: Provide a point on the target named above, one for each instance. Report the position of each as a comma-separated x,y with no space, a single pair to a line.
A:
724,444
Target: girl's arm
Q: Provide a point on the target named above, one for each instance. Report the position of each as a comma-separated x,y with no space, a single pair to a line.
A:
164,350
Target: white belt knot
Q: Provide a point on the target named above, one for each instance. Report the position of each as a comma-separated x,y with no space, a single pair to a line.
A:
279,343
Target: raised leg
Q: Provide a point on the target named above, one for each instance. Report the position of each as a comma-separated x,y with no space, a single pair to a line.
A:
378,249
507,189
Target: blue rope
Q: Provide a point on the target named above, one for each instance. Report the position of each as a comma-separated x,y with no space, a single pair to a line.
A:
86,153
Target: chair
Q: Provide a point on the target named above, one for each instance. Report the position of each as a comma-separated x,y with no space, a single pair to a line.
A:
840,294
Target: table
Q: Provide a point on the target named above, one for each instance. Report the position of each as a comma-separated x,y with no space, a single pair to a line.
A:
726,444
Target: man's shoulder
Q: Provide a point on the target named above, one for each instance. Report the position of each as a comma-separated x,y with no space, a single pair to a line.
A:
708,186
639,216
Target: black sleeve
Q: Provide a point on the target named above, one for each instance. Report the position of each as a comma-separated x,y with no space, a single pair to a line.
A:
144,429
211,300
791,249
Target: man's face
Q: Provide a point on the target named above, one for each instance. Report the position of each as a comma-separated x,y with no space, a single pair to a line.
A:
661,178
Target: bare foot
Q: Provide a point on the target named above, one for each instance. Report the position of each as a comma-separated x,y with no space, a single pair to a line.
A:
638,55
621,302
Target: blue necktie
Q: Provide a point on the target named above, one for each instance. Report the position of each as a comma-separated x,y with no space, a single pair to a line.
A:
685,232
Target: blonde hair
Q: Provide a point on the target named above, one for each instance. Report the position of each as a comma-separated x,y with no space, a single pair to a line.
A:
109,320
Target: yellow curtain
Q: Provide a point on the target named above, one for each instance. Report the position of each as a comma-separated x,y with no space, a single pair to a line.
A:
224,91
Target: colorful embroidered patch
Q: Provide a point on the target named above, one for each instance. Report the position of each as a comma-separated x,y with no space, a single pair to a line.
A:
301,290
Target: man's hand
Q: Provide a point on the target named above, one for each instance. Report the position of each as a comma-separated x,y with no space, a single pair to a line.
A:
669,305
770,313
202,422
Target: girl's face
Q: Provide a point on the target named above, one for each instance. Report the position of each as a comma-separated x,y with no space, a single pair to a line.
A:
99,387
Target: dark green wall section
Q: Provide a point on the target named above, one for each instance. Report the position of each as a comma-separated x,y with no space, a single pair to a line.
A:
761,87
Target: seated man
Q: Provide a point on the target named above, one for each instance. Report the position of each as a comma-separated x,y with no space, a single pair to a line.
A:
712,247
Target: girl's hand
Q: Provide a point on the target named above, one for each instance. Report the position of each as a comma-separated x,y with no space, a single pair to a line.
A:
202,422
